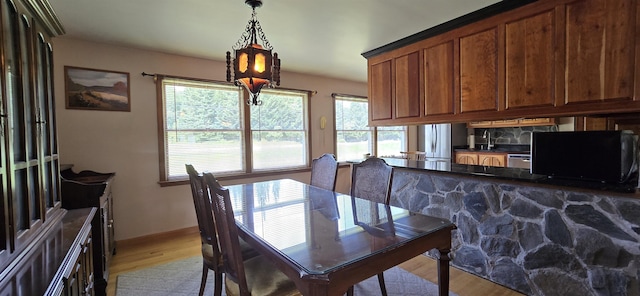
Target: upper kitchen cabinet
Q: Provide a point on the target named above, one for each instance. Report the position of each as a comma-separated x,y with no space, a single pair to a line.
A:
599,41
530,60
380,103
439,79
535,59
479,71
407,93
394,87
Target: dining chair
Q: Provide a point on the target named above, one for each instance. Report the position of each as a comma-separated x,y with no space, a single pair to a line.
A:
243,277
371,180
323,172
210,249
211,255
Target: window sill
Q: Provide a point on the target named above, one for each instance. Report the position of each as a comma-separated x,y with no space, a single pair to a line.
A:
185,180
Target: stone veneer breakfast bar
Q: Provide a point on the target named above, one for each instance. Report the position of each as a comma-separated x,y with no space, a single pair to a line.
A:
519,231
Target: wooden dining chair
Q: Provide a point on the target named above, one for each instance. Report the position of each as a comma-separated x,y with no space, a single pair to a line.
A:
371,180
244,277
323,172
211,255
210,249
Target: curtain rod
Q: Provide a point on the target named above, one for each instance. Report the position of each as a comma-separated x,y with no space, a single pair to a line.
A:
155,77
334,95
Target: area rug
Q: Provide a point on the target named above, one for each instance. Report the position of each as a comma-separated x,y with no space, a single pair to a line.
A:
183,278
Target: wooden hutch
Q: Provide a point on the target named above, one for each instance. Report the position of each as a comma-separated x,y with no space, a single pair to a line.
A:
44,249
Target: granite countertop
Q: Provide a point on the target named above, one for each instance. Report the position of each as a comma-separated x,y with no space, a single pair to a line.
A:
513,174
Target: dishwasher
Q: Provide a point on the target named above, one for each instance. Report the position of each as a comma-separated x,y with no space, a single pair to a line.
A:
519,160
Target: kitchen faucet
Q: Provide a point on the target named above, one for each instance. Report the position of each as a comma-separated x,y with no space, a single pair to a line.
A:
487,135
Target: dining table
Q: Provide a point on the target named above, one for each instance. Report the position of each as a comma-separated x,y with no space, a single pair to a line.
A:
326,241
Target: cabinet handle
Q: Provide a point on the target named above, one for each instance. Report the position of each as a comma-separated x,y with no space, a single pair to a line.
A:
2,124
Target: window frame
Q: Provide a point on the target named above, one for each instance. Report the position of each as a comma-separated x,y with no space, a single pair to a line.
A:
373,130
245,113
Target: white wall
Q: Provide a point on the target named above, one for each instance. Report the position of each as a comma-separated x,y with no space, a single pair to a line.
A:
126,142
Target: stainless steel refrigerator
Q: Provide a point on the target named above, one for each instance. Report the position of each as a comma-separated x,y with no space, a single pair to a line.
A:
438,141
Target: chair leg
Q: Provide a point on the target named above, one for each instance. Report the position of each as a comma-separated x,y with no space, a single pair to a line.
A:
218,284
383,287
203,281
350,291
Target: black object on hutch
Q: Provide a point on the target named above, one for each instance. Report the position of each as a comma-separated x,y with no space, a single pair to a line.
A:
93,189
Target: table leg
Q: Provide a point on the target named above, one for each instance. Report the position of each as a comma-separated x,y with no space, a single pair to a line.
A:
443,271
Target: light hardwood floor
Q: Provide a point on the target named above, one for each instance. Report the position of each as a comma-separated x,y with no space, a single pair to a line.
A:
144,252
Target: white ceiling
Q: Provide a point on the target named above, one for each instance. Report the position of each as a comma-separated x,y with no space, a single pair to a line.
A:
322,37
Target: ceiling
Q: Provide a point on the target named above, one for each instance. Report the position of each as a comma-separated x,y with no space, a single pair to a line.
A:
321,37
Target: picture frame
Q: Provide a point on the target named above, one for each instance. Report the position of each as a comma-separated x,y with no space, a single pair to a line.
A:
94,89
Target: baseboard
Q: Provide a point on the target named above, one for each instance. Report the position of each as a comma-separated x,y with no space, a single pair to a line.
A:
158,236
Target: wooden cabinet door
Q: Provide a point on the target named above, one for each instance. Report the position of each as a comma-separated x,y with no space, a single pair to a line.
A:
496,160
439,79
530,60
407,94
600,49
479,71
380,91
467,158
395,87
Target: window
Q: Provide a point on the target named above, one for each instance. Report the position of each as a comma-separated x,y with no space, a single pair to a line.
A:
204,124
353,136
279,131
390,140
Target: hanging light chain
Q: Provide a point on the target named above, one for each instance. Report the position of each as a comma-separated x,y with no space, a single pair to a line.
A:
263,37
248,34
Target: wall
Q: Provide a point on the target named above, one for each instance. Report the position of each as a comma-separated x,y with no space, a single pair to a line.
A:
539,241
126,142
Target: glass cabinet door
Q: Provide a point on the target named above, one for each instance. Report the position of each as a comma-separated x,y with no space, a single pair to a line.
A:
45,120
29,165
14,142
25,202
4,210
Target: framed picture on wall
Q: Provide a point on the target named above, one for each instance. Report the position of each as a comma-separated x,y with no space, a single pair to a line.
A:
92,89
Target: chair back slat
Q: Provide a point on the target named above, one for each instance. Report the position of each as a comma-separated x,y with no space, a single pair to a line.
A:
371,179
204,213
323,172
227,233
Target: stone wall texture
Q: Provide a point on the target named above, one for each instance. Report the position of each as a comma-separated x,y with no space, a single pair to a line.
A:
535,240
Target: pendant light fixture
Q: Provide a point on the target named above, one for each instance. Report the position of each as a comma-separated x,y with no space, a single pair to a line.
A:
254,65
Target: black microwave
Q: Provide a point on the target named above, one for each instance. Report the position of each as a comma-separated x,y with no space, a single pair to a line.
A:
605,156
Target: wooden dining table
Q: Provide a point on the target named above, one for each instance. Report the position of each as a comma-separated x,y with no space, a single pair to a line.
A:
326,241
